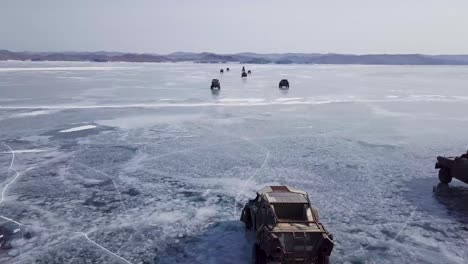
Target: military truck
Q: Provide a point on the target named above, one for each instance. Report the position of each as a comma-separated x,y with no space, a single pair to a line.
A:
453,167
244,74
284,84
215,84
287,228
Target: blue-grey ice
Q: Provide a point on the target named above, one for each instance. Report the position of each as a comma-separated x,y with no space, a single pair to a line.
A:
142,163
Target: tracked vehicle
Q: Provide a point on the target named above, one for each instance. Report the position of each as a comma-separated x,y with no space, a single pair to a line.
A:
287,228
453,167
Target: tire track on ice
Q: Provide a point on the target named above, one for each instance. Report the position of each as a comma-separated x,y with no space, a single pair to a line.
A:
10,169
113,182
405,224
6,188
85,235
246,182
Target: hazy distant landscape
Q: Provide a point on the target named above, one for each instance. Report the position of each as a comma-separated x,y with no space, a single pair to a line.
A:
246,57
136,132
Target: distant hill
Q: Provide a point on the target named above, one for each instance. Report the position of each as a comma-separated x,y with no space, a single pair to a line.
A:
246,57
462,58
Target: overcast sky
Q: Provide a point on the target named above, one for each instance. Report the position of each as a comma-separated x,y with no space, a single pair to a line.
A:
154,26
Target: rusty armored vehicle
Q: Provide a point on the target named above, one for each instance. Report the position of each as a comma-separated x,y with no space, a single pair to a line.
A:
287,228
453,167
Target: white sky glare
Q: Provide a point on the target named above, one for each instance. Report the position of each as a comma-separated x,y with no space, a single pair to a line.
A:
264,26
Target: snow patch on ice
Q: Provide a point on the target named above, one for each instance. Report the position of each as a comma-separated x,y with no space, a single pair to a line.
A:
167,217
248,100
147,120
291,102
62,69
205,213
80,128
71,77
91,181
384,112
35,113
232,102
289,99
19,151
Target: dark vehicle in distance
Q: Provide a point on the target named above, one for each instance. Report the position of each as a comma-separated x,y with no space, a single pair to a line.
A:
287,227
221,71
249,72
99,60
244,75
453,167
215,84
284,84
227,69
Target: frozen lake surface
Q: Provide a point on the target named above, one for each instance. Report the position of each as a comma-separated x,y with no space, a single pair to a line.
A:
142,163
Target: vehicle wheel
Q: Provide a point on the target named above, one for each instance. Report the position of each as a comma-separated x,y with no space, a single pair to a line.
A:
258,255
248,221
324,259
444,176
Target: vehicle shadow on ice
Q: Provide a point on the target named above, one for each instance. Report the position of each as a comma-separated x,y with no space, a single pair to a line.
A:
224,242
454,198
430,195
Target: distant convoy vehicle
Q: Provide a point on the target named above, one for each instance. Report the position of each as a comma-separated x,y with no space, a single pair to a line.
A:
287,227
453,167
284,84
215,84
